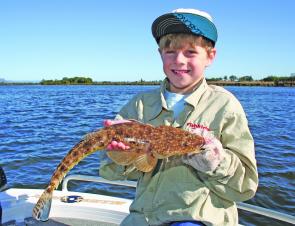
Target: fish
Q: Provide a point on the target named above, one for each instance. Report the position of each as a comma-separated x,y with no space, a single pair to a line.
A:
146,143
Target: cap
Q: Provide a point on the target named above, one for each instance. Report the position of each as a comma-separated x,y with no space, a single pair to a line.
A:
189,21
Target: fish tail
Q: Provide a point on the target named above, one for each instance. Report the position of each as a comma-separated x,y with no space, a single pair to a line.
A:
93,142
42,208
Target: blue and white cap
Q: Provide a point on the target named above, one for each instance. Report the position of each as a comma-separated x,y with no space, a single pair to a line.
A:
190,21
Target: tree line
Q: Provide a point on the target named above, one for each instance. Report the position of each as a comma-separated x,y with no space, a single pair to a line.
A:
248,78
226,80
68,81
233,78
89,81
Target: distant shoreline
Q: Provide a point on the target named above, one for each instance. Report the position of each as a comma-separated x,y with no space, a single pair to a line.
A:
146,83
253,83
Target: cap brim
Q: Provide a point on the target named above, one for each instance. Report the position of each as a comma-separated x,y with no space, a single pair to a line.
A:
173,23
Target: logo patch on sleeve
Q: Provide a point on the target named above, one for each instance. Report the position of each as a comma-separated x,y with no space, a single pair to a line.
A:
197,126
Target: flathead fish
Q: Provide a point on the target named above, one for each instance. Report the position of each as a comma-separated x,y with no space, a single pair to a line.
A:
146,144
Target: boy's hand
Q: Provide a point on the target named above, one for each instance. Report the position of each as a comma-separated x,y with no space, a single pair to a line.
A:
209,158
114,145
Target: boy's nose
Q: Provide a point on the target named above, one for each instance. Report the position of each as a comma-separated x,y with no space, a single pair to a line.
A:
179,57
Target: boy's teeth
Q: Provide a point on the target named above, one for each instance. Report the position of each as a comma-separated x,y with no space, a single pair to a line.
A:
181,71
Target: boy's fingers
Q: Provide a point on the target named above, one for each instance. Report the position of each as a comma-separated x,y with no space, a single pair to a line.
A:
117,145
114,144
110,147
109,122
121,145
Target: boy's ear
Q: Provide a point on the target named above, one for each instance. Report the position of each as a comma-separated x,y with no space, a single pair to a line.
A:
211,56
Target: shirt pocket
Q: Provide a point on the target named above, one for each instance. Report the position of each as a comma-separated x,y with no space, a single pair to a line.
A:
181,187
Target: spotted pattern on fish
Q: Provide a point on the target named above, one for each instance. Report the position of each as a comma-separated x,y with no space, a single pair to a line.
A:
147,144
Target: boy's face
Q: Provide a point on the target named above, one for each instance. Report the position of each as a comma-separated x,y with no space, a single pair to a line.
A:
185,66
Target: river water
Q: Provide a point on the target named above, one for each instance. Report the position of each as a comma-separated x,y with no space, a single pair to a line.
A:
39,125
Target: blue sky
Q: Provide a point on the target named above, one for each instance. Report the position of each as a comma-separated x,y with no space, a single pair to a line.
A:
112,40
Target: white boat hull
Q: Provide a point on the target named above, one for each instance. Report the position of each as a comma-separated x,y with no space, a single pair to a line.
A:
17,205
93,210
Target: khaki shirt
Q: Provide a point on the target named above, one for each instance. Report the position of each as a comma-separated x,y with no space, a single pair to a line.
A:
174,191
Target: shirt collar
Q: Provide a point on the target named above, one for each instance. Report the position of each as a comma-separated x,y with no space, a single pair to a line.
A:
194,98
157,102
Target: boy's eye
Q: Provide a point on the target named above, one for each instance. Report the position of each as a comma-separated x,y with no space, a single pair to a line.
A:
169,51
192,51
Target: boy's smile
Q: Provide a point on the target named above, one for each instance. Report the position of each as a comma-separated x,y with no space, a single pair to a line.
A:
180,72
185,66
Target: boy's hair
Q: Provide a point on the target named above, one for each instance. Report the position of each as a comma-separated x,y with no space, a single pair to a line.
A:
175,41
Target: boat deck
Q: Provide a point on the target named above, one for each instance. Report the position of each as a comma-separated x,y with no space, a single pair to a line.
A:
92,209
58,222
76,208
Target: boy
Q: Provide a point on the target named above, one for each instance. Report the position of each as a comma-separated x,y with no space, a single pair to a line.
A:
196,189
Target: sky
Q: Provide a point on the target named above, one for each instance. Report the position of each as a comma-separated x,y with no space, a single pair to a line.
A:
112,40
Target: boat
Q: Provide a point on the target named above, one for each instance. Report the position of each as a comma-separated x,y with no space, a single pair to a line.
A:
80,208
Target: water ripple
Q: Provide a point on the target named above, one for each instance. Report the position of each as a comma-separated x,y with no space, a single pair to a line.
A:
39,125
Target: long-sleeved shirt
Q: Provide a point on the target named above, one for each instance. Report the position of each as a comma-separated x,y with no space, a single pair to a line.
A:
174,191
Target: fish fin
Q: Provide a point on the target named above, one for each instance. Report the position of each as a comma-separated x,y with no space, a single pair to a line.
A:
42,208
129,169
123,158
145,162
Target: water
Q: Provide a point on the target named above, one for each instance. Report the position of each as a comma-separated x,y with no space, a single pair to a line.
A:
39,125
